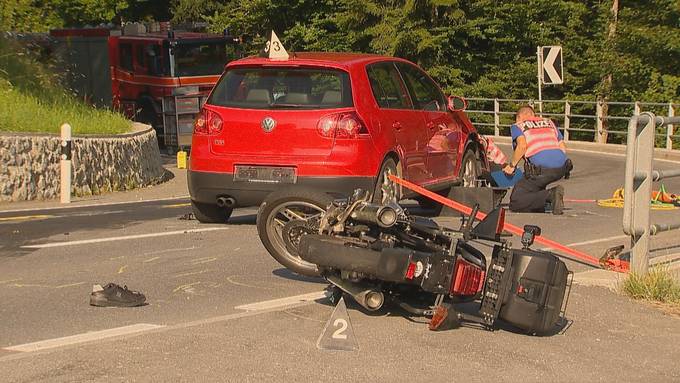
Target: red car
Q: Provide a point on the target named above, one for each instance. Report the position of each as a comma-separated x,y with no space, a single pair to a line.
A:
288,132
333,121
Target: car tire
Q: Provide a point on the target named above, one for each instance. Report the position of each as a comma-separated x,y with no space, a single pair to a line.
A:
210,213
383,184
432,205
281,207
470,168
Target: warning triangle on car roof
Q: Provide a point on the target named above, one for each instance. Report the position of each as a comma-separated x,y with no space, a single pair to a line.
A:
338,333
273,49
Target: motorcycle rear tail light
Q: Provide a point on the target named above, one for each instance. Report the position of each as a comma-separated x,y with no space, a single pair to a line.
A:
410,270
501,222
341,125
468,279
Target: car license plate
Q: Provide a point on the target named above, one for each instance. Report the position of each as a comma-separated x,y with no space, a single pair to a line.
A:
265,174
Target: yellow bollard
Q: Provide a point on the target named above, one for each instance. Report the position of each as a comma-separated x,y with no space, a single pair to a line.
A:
181,159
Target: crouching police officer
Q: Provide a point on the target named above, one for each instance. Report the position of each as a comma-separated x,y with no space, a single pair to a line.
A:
541,144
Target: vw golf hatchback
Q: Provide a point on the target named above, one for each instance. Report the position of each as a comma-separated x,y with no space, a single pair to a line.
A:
332,121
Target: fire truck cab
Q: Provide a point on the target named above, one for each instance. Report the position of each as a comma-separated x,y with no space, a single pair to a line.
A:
160,78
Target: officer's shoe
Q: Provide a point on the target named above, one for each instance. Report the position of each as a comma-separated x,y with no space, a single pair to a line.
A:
557,199
112,295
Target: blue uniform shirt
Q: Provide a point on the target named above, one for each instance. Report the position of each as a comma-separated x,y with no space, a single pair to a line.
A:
551,158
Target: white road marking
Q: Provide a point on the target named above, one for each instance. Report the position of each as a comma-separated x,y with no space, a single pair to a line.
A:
83,338
159,328
598,240
76,205
283,302
122,238
590,242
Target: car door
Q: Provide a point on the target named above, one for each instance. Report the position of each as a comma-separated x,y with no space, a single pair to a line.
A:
398,119
443,131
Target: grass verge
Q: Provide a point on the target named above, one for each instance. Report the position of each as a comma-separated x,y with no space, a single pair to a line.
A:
33,99
659,286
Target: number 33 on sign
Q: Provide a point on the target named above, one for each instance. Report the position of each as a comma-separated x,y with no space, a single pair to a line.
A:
273,49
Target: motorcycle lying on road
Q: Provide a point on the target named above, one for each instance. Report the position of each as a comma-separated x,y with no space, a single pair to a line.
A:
381,254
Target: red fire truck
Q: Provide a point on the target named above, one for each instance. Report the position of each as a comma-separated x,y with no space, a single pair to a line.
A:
160,78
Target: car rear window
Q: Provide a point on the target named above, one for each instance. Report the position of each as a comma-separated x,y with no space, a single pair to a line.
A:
283,88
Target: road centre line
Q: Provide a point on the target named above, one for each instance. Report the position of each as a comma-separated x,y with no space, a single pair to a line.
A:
83,338
26,217
159,328
283,302
75,205
122,238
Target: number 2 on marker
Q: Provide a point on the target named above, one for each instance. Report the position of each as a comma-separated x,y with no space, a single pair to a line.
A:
338,334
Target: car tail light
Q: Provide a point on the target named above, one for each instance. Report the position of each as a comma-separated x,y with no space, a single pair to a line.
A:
341,125
208,122
468,279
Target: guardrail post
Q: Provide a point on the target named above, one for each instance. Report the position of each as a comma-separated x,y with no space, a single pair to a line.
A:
669,127
567,117
496,118
638,188
65,172
599,126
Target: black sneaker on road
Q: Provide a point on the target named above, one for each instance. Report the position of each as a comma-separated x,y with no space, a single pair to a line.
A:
113,295
557,199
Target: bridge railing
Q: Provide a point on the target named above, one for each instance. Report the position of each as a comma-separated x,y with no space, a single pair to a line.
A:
640,174
596,121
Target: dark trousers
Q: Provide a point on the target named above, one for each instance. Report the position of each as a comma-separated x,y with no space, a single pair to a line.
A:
530,194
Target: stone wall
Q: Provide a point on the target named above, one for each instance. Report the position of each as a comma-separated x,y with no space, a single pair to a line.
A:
29,164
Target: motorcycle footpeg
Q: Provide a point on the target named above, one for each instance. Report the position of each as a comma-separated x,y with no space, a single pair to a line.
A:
445,317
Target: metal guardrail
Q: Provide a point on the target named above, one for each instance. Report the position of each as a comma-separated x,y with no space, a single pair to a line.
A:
638,186
578,120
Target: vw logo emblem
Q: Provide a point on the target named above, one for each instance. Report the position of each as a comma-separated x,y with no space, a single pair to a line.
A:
268,124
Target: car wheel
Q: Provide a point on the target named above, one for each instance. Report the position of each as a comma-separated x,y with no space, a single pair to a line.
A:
385,190
430,204
470,169
282,207
210,213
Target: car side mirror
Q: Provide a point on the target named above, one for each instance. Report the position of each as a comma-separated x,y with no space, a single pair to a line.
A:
457,104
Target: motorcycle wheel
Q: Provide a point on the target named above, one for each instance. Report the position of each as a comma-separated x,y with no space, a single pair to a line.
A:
281,207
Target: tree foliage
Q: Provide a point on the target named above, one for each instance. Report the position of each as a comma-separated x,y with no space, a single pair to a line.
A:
481,48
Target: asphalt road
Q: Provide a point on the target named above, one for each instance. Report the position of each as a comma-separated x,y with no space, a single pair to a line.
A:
211,316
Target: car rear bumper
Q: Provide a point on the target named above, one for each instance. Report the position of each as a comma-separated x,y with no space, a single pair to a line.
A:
206,187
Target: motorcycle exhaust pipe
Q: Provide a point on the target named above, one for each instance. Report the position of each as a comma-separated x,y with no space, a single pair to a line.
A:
390,264
383,216
226,202
365,295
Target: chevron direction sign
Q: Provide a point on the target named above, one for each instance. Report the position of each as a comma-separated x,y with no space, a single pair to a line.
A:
551,65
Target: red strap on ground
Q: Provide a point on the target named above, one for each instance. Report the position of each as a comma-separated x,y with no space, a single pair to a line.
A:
616,265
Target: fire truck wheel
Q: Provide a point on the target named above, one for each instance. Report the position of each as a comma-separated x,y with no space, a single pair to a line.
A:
209,213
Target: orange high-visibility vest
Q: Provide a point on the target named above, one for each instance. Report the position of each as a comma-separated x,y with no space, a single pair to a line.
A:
493,152
540,133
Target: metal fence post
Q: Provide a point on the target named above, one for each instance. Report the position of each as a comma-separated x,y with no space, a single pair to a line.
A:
599,126
496,118
638,188
567,114
669,127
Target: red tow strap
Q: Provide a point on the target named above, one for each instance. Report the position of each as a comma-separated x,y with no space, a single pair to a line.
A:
609,264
